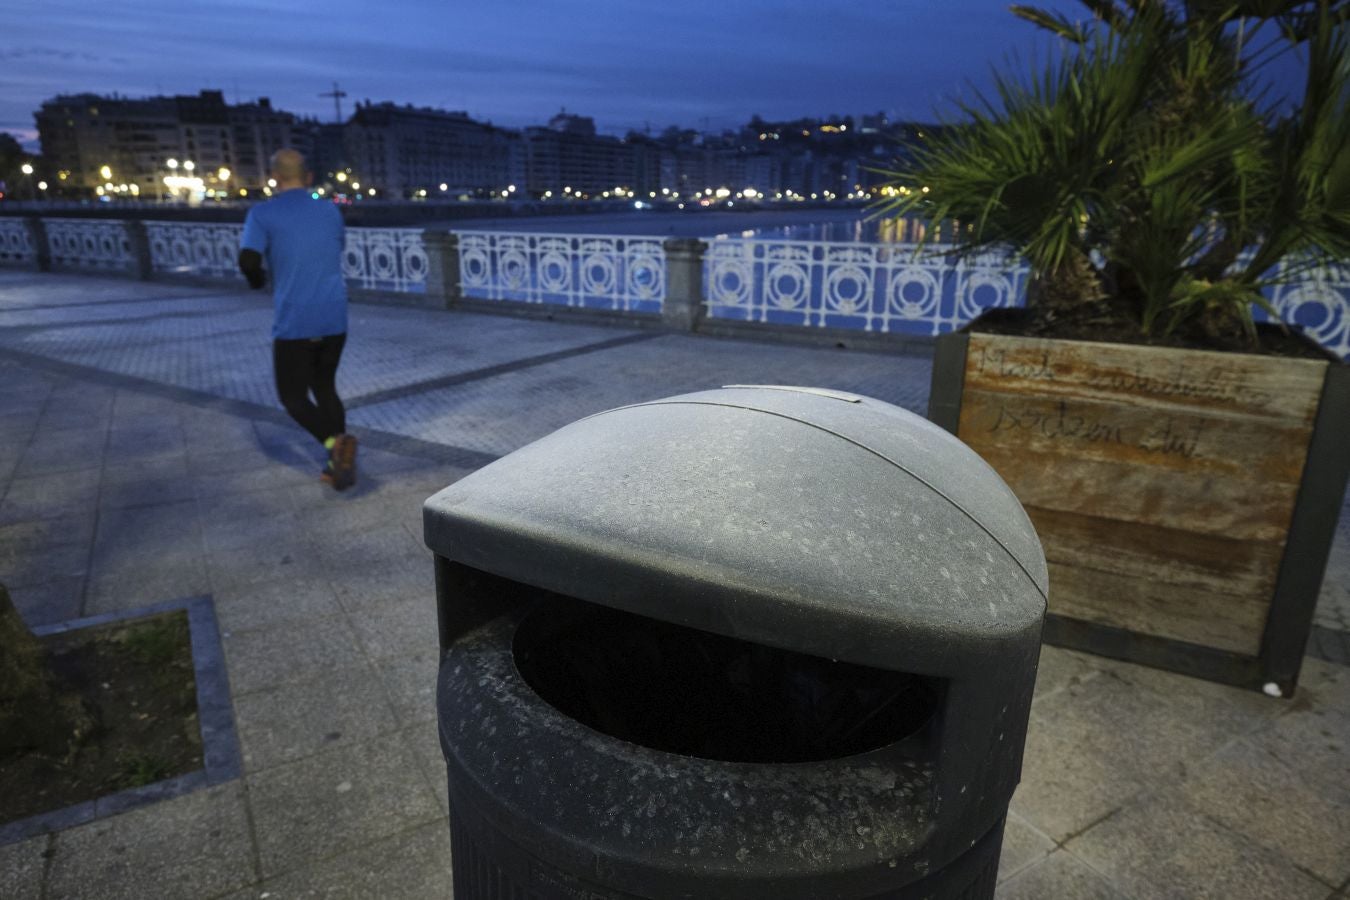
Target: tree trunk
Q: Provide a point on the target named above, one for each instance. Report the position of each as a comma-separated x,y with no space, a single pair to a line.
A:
37,712
1074,285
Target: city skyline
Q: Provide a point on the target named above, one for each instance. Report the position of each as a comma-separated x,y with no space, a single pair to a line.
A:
700,64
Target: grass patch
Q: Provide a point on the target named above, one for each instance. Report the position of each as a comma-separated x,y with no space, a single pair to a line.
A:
139,681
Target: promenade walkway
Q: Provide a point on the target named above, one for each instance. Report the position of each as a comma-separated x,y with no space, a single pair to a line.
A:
143,458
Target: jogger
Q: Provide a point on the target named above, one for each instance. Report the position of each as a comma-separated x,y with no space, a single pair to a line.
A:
301,239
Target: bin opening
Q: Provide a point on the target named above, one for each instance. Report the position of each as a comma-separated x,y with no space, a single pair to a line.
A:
681,690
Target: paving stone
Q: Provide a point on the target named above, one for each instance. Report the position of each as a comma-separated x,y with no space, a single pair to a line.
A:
1060,876
1091,746
274,604
1162,846
64,494
222,534
410,680
1324,686
1059,668
196,845
295,719
146,483
337,801
44,565
414,578
21,869
1256,794
240,509
267,474
145,540
259,659
46,604
168,581
1213,709
1023,846
425,741
397,628
288,557
66,450
414,865
1315,742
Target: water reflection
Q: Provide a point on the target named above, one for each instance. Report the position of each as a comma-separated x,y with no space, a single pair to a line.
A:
864,229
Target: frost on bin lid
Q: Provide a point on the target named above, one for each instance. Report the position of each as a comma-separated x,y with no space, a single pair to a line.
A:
812,520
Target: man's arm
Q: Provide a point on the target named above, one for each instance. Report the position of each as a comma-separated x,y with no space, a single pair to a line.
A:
251,264
252,245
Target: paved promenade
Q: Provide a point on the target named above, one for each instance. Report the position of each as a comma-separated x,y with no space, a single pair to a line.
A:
143,458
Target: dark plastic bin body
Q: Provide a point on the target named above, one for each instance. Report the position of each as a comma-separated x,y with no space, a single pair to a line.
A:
799,521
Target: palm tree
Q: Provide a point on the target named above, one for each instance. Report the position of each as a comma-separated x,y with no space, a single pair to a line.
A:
1135,170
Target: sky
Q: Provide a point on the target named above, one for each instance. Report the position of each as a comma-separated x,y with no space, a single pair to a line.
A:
629,64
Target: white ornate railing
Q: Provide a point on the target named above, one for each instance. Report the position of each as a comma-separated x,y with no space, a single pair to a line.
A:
874,287
194,248
16,243
388,259
1319,301
586,270
88,244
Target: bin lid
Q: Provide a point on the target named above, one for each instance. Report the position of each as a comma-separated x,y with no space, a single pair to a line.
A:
811,520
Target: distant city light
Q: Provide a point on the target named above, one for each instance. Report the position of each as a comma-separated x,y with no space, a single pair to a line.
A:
356,185
104,171
189,165
42,185
371,192
223,174
271,182
511,188
171,163
444,186
28,169
342,176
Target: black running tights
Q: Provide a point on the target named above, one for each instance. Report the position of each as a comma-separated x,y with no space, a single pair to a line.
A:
306,367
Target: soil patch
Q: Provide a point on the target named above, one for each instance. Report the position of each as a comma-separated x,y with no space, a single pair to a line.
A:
1093,325
138,680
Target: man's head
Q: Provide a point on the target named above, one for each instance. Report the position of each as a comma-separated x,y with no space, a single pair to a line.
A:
289,170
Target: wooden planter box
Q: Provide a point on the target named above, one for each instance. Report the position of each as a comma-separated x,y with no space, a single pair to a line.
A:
1186,499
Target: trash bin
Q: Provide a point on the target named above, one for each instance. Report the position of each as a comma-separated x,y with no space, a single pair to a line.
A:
751,642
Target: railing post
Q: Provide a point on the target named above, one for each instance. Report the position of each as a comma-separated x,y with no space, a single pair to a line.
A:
682,309
141,266
442,249
37,236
